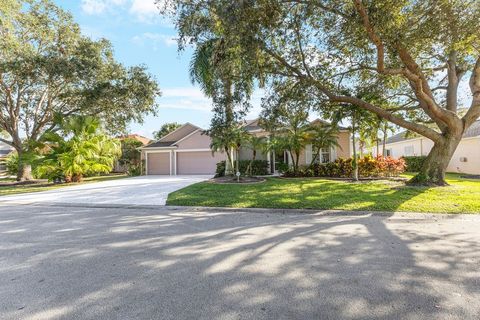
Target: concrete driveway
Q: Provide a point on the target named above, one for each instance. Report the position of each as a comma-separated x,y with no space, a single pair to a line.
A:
179,263
144,190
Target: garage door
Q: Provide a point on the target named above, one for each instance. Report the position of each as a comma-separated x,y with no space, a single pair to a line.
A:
200,162
158,163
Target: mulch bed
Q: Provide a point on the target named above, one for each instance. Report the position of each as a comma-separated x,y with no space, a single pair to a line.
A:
472,176
40,182
233,180
365,179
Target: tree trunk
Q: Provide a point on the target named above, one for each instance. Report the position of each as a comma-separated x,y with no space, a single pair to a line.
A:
24,172
354,162
229,166
436,163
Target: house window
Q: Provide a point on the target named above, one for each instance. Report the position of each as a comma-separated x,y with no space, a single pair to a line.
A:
388,152
409,151
324,155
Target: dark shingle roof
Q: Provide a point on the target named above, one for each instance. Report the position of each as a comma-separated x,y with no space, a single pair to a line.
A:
473,131
160,144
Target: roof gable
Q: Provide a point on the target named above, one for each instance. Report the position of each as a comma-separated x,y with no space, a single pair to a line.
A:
170,139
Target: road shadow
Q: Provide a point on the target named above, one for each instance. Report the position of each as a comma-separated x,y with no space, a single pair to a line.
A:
87,263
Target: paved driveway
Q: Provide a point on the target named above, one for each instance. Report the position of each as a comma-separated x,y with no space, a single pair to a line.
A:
171,263
144,190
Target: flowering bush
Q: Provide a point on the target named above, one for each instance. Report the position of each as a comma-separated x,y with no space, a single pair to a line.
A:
368,166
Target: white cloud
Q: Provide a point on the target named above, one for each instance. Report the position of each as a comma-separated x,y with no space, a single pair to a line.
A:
96,7
155,38
144,10
93,6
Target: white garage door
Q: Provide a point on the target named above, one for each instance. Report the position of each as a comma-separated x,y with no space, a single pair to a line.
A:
158,163
198,162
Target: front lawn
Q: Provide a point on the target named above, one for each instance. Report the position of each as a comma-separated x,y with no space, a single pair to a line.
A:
462,196
36,187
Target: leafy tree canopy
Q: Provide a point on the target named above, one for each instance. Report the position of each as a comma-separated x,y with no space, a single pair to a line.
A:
166,129
48,67
413,55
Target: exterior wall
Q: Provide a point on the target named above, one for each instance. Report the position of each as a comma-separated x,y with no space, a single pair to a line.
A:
247,154
195,141
419,147
468,148
345,143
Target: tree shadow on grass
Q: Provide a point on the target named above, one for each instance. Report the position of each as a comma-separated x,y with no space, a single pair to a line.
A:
303,193
180,264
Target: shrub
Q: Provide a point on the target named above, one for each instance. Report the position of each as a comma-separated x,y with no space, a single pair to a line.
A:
11,164
392,167
282,167
342,168
259,167
220,171
414,164
134,170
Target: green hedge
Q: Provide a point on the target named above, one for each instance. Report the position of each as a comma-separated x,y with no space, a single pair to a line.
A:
343,168
259,167
414,164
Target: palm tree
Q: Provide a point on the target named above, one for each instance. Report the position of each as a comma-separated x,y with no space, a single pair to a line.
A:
322,137
78,149
255,144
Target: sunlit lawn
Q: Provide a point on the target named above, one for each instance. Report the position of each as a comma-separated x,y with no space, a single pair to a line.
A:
462,196
8,190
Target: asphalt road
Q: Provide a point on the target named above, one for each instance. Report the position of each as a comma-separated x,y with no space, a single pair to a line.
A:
118,263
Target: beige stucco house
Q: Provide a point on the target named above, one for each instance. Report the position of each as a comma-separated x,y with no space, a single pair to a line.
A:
466,158
187,151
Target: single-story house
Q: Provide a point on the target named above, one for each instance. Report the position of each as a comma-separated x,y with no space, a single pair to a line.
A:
466,158
187,151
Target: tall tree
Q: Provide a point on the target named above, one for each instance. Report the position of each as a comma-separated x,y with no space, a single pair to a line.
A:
48,67
166,129
414,54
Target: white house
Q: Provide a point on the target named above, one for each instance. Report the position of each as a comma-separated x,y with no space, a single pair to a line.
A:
466,158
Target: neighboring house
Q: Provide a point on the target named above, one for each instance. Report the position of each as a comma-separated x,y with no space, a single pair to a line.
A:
466,158
187,151
5,150
144,140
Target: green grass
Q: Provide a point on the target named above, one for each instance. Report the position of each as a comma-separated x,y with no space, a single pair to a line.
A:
462,196
9,190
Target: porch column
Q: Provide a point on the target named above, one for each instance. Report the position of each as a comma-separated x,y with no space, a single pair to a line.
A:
146,163
174,162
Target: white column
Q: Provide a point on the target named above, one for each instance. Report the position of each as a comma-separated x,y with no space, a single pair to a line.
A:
146,163
308,154
175,162
170,160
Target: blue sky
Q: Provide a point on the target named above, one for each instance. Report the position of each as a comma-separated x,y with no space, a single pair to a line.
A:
141,36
